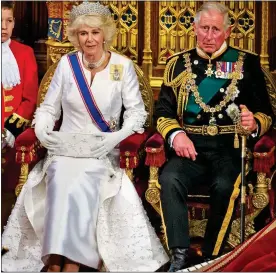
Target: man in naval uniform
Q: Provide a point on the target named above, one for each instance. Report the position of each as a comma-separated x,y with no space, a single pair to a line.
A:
208,93
19,93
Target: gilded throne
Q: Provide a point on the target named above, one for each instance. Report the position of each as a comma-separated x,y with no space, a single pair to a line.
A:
173,37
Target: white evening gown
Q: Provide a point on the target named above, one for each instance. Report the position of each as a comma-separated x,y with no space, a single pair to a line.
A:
84,208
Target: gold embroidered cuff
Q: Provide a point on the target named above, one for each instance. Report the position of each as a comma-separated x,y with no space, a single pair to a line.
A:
20,120
165,125
265,122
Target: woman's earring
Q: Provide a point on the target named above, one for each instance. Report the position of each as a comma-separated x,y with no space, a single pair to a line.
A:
104,42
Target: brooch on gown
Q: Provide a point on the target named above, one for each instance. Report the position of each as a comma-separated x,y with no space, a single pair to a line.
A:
116,71
112,124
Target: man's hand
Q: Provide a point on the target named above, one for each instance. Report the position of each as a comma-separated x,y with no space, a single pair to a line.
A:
247,119
184,147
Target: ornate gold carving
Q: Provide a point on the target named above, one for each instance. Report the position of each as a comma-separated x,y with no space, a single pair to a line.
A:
234,236
55,50
265,37
22,178
147,94
153,192
197,228
260,198
129,173
271,87
125,15
153,196
242,16
147,53
44,85
175,27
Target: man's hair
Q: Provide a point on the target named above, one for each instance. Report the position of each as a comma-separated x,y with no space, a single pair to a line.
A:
214,6
7,5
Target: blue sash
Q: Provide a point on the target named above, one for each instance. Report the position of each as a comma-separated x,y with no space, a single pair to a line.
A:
86,94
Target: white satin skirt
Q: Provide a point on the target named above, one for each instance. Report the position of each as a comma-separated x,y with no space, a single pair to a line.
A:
83,209
71,209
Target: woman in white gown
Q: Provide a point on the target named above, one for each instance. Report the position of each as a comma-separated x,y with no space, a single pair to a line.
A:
78,206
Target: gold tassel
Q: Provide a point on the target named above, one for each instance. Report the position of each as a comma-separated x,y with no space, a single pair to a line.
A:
236,139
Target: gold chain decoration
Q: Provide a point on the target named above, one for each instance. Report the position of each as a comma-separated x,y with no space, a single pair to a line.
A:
232,88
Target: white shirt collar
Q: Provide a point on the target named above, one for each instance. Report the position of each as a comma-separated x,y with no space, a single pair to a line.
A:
10,70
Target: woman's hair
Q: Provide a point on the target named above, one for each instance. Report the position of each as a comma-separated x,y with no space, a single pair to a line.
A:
7,5
214,6
105,23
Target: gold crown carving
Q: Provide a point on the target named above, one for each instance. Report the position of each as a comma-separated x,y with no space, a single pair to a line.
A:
87,8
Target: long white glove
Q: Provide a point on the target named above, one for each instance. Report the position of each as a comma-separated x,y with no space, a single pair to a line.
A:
43,127
110,140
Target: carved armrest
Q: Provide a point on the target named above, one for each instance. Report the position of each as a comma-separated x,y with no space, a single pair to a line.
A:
155,158
129,152
28,150
264,160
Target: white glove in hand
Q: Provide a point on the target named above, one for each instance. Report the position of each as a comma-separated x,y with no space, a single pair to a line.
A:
9,139
110,140
42,133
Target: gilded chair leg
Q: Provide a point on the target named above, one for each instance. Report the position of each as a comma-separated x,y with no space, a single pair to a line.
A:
129,173
164,237
22,178
234,238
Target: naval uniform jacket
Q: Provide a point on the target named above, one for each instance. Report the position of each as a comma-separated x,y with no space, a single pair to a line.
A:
251,92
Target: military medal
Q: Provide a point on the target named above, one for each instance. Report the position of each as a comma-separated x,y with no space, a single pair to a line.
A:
209,72
219,73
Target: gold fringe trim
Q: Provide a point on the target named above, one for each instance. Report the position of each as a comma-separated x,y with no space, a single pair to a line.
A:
265,122
165,125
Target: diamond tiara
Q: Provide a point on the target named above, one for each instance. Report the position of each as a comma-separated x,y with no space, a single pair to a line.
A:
87,8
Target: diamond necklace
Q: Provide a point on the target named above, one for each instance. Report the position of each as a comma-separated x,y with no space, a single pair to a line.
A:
95,64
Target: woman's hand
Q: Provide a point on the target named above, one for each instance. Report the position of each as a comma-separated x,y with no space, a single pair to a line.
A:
43,133
247,119
183,146
109,142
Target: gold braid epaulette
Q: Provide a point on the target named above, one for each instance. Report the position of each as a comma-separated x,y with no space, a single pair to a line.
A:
21,121
168,74
180,80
